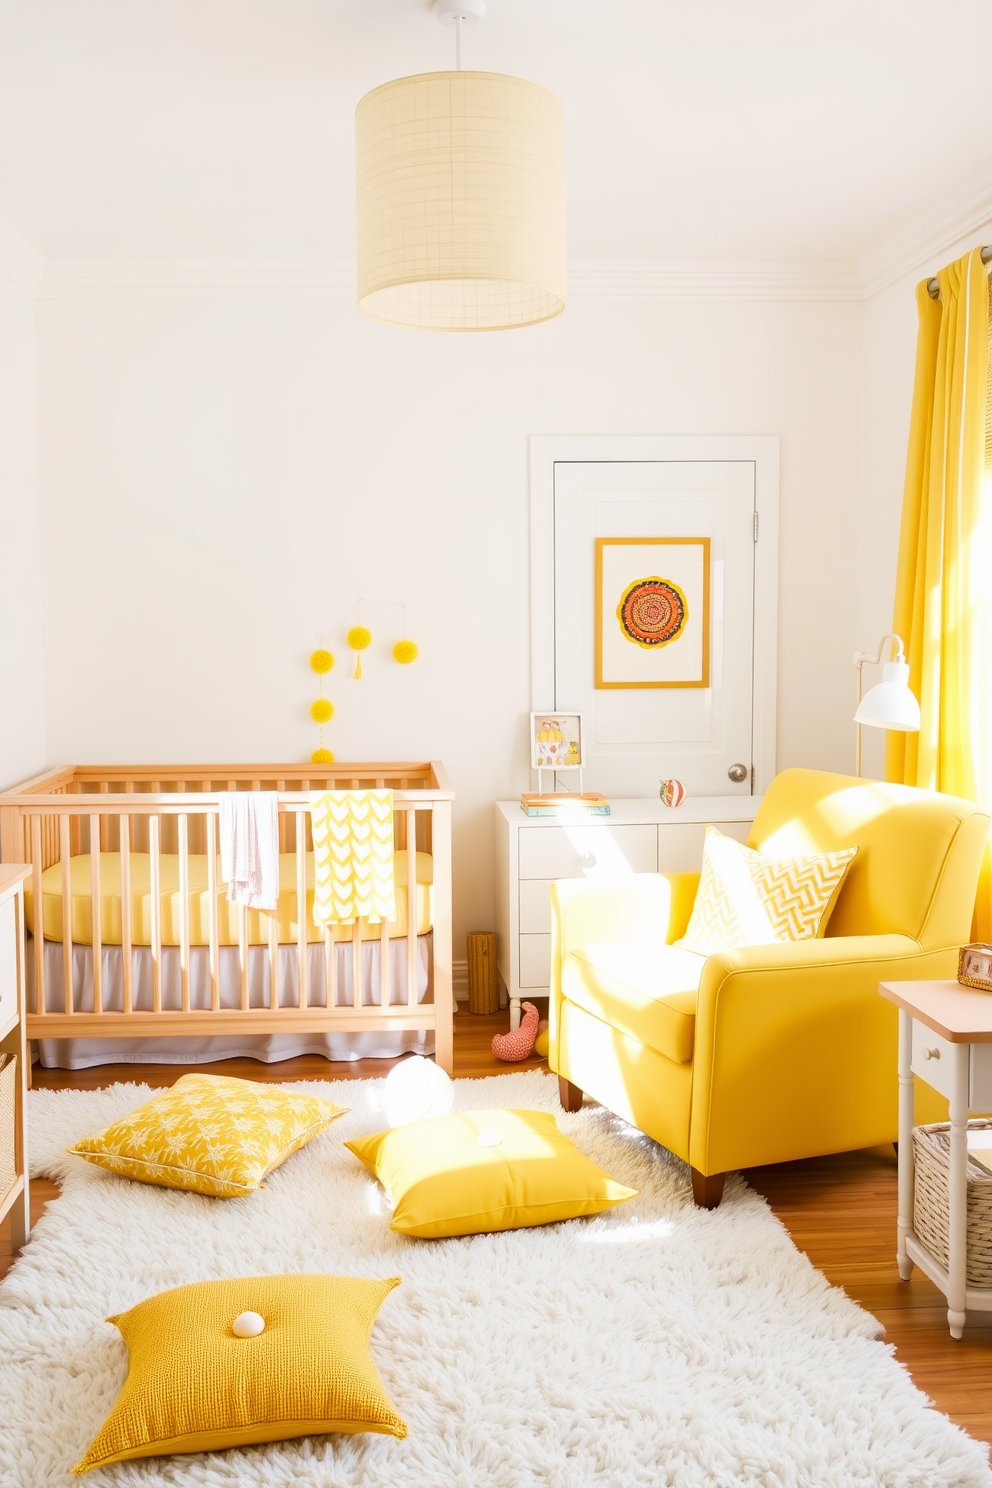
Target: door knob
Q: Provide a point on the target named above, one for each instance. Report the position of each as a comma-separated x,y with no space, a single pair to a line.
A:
737,773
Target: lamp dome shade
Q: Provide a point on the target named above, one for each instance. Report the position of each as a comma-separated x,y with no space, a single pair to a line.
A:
891,705
461,202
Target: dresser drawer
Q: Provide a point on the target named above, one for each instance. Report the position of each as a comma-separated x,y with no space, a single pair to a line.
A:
8,961
535,963
535,906
587,849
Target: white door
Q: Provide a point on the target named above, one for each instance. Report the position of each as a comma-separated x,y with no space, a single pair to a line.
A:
638,735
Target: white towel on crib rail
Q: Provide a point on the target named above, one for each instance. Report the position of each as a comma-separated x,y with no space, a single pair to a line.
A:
249,847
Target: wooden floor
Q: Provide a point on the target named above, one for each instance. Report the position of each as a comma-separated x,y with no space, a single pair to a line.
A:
840,1210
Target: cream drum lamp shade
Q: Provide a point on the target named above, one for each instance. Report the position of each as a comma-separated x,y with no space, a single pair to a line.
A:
461,202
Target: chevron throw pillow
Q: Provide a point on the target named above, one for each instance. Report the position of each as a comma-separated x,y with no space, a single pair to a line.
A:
745,898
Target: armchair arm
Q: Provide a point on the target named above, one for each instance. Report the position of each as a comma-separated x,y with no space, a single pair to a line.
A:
795,1051
639,907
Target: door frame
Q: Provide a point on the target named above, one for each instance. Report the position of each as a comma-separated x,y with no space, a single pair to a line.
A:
761,450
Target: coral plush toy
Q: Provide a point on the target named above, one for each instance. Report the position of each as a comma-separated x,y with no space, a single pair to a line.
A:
517,1045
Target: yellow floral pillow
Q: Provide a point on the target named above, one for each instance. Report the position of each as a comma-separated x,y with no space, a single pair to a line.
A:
745,898
194,1385
210,1133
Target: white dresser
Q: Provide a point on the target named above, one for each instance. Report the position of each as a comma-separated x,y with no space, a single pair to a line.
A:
639,836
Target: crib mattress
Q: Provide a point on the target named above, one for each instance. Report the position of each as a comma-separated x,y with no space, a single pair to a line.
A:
258,921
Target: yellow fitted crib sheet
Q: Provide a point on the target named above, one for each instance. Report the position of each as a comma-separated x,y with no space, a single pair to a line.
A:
199,922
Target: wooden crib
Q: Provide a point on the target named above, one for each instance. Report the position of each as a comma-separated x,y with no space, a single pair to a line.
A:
166,817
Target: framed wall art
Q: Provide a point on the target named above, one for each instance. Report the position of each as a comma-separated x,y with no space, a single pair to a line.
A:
652,612
556,741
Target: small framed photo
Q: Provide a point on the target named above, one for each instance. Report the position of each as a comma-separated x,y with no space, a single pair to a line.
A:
556,741
975,967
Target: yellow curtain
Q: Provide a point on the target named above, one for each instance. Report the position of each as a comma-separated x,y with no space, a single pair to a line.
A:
943,606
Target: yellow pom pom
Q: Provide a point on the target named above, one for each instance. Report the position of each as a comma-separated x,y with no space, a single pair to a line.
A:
359,638
321,662
404,652
322,757
321,711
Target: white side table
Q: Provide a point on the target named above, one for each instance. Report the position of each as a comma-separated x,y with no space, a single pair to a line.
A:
945,1037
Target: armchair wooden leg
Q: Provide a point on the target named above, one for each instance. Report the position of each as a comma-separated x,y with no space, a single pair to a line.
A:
570,1095
707,1191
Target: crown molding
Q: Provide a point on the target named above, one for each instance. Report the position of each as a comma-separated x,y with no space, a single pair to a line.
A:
922,245
699,280
128,279
20,261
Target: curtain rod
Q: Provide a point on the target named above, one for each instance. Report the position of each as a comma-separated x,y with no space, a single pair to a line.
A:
933,285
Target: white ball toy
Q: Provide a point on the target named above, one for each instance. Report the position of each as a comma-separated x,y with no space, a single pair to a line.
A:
248,1325
417,1090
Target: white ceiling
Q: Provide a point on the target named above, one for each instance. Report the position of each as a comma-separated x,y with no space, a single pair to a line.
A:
702,129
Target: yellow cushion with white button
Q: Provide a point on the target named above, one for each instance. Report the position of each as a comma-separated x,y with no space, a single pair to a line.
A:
647,991
478,1171
194,1385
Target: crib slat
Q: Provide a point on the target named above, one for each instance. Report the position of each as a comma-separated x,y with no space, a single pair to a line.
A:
243,954
301,908
65,857
212,912
356,964
37,866
184,907
104,823
124,838
330,967
274,956
96,914
280,787
411,906
384,966
155,886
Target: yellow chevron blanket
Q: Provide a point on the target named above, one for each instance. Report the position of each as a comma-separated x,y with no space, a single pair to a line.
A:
352,856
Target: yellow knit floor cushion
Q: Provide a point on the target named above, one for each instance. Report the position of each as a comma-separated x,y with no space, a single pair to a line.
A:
210,1133
745,898
479,1171
193,1385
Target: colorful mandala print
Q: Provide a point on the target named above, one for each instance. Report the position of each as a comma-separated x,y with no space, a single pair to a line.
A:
652,612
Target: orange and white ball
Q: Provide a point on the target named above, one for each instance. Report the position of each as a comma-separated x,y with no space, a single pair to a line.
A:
672,792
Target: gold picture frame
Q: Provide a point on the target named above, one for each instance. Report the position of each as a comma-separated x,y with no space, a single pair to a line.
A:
671,586
975,966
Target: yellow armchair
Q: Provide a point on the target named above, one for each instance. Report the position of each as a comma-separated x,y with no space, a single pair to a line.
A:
771,1052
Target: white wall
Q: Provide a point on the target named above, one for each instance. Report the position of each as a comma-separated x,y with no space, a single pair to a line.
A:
221,478
890,326
22,711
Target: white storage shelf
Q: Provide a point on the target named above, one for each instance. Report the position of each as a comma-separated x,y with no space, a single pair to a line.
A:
639,836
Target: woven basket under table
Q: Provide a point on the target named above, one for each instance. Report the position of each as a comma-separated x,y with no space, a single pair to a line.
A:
931,1154
8,1089
483,987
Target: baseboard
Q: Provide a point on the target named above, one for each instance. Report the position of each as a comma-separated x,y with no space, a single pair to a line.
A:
459,980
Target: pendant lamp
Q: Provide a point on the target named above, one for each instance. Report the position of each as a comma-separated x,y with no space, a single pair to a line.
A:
461,197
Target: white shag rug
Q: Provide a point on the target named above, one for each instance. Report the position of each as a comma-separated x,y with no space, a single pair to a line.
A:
654,1345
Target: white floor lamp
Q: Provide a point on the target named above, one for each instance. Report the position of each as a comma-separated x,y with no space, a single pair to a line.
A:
889,704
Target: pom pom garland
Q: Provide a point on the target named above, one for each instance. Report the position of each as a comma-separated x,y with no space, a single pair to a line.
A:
322,711
322,757
359,638
321,662
404,652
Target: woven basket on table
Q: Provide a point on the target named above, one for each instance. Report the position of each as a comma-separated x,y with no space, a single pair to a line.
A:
931,1155
8,1087
483,986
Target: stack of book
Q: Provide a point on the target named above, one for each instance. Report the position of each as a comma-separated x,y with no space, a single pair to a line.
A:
564,803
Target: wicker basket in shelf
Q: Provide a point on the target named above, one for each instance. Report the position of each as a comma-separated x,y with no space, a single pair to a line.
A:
483,986
931,1154
8,1090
